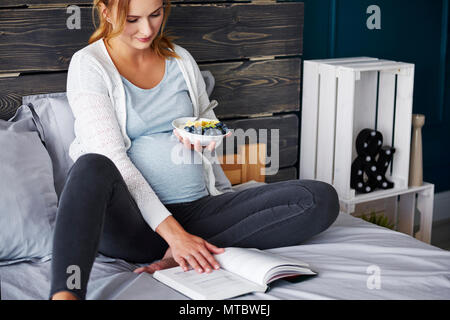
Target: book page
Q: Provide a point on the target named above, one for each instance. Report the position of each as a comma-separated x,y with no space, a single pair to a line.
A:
219,284
255,265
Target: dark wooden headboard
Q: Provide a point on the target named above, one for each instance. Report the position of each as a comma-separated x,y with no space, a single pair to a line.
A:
253,49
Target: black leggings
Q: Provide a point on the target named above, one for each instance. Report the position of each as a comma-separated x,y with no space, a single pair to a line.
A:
97,213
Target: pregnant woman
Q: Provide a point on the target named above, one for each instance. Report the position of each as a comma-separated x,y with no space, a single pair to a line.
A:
125,197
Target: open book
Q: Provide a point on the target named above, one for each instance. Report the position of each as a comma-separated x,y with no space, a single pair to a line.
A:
241,271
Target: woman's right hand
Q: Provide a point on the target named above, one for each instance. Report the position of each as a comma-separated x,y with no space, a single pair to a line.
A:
187,249
194,146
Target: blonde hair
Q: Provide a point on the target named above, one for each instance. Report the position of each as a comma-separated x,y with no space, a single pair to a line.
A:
159,45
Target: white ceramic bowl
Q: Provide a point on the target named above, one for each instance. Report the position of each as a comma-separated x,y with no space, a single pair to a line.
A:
179,124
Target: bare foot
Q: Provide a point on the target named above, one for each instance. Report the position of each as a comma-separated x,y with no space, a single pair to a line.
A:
64,295
160,265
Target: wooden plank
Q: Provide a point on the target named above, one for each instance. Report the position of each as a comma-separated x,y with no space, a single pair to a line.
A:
379,65
344,131
39,40
62,3
402,132
405,213
285,125
256,87
326,124
242,88
380,194
17,3
341,61
310,107
236,31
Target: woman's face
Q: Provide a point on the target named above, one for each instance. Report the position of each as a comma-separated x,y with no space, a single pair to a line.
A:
142,23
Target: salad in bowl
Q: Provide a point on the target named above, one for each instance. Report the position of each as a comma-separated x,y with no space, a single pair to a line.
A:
204,130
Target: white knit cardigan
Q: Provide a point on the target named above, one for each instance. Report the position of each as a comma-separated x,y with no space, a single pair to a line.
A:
97,98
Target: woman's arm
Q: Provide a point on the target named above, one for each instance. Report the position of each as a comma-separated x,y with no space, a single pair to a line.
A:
97,127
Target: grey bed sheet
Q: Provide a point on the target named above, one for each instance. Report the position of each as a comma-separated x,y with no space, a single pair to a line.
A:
347,256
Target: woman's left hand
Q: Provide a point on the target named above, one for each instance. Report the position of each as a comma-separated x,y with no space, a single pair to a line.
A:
196,146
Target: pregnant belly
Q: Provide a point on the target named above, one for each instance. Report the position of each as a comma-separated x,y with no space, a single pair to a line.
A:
174,173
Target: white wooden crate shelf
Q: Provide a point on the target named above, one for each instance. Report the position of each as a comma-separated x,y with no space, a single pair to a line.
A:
340,98
381,194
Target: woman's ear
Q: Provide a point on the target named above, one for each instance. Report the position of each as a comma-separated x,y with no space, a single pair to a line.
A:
104,12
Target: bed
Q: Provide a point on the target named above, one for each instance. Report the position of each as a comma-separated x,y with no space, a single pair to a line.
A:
240,44
355,259
347,256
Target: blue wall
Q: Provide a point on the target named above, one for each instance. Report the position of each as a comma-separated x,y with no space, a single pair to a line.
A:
413,31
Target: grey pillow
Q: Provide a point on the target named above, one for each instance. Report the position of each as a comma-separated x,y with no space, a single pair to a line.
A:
57,119
27,194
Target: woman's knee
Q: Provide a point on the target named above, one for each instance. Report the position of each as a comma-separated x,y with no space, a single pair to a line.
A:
326,201
94,167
